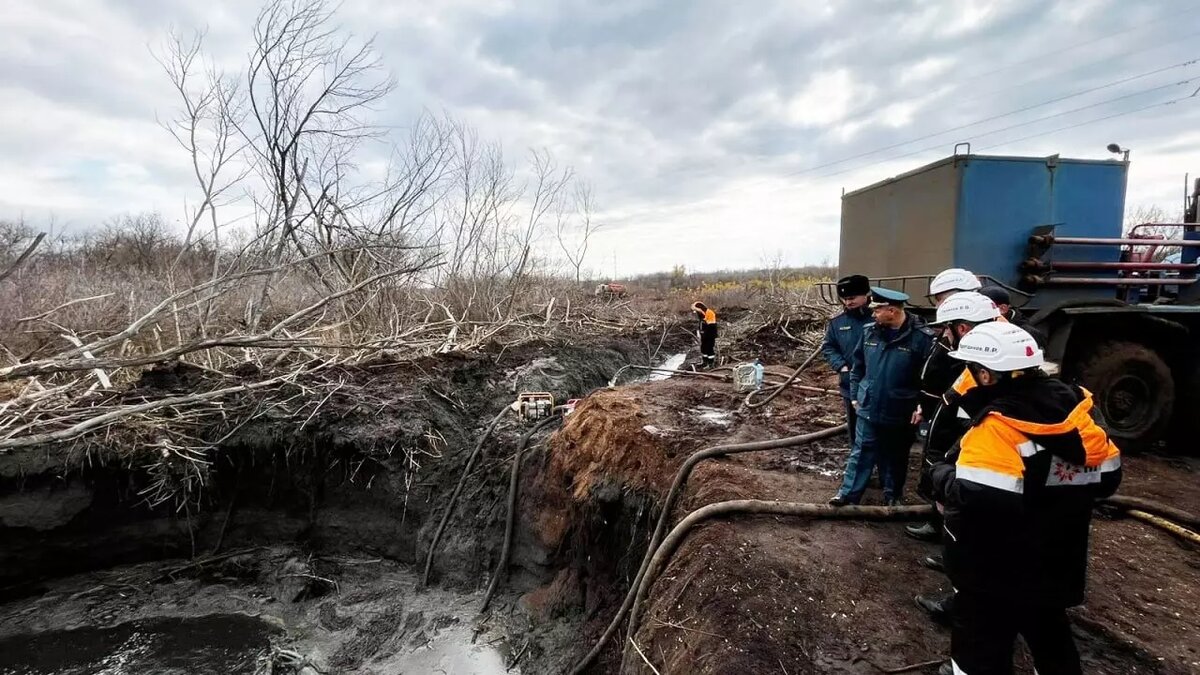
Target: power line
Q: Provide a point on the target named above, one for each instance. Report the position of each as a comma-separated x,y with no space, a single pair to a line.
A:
1098,119
1182,9
1021,124
708,171
993,118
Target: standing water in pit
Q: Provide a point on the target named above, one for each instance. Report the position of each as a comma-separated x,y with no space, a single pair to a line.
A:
217,643
671,363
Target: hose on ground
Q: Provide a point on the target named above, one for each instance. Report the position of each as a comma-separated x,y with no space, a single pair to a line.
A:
776,391
821,511
712,374
681,477
514,479
462,480
1165,525
1179,516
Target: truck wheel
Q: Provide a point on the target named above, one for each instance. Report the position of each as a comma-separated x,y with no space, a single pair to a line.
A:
1133,388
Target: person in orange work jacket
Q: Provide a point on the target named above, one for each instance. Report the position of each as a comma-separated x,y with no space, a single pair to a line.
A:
707,332
1016,493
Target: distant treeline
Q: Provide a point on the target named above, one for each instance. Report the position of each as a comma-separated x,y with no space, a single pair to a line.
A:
679,278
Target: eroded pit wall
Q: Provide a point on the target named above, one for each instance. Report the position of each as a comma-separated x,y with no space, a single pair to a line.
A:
364,478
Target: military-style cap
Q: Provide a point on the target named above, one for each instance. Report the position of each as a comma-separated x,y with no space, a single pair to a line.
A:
855,284
997,294
885,296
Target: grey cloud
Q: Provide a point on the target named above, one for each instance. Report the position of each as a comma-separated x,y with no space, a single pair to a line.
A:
665,104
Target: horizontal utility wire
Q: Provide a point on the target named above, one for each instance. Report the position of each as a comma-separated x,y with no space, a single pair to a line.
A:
1010,127
993,118
1184,9
958,84
1098,119
1183,64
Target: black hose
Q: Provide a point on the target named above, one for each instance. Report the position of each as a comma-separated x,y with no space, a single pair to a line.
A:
437,535
779,388
514,479
1150,506
672,541
681,477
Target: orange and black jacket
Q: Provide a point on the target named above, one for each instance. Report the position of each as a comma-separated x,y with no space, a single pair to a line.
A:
708,321
1019,487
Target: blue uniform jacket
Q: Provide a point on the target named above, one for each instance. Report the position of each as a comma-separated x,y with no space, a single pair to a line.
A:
885,375
842,335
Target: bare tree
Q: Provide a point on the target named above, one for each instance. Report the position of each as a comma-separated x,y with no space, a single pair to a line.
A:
773,265
583,209
549,182
1145,218
308,89
205,127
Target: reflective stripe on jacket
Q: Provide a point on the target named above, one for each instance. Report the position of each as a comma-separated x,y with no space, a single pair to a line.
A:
1018,490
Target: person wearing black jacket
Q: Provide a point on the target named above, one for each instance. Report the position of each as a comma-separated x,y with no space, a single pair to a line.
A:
956,317
1017,493
1011,314
937,376
842,335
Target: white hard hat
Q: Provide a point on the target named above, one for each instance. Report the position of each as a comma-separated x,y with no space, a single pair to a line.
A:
967,306
1001,347
954,279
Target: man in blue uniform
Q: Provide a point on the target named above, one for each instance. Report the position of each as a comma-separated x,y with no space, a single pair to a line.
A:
885,382
843,333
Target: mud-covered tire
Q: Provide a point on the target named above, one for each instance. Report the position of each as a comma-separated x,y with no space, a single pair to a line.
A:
1133,388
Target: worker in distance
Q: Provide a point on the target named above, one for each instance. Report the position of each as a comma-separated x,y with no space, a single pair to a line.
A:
707,333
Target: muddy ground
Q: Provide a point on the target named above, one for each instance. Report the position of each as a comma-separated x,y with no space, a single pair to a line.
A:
773,595
317,532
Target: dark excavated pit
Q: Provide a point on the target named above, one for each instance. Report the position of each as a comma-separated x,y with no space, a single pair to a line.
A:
218,643
298,557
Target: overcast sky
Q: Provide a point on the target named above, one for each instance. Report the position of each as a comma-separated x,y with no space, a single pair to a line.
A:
711,130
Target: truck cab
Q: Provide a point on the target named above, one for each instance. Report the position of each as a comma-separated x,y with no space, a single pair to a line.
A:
1120,310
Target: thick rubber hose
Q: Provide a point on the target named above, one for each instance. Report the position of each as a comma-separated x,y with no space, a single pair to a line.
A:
712,374
681,477
1150,506
514,479
462,480
739,506
1165,525
796,373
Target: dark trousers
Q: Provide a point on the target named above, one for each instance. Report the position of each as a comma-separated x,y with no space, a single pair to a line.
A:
708,342
882,445
985,628
851,419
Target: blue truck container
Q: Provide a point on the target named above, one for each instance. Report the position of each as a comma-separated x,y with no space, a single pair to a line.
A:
1118,319
977,212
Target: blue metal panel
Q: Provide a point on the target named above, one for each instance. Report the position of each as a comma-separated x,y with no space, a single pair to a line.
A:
1003,199
1089,201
